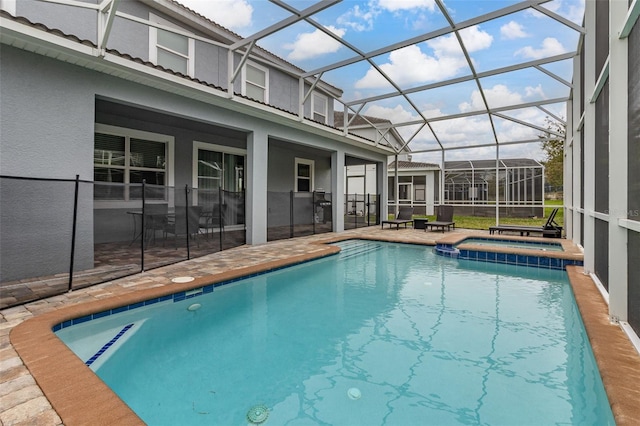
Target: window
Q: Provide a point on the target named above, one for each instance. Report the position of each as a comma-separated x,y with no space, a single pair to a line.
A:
171,50
404,192
124,156
319,107
304,175
255,81
218,167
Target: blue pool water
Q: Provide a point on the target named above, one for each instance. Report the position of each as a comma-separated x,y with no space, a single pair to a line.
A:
531,245
381,334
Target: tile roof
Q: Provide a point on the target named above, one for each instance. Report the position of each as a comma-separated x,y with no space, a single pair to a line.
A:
411,165
338,119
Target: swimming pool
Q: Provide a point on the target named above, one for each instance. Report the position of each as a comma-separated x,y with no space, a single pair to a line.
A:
356,339
531,245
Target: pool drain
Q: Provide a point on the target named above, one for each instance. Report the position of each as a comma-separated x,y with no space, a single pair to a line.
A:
258,414
354,393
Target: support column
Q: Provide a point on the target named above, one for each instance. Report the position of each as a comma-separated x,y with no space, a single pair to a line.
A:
442,176
397,186
498,184
576,151
430,188
589,139
338,180
256,175
567,172
618,173
382,185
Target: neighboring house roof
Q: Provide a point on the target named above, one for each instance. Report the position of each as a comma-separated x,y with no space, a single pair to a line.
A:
366,122
412,165
360,120
490,164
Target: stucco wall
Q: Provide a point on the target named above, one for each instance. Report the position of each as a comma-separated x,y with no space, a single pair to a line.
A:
47,122
78,21
47,126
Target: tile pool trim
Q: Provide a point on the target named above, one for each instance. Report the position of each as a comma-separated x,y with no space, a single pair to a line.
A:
525,242
510,258
178,296
79,397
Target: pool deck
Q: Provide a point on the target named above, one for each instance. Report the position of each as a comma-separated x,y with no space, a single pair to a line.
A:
43,383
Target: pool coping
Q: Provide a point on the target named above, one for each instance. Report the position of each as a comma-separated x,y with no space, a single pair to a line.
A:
80,397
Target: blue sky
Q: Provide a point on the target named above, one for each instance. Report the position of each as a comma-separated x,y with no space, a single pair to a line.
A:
523,36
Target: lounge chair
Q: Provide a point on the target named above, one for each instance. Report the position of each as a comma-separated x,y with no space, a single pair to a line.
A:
550,229
404,216
444,219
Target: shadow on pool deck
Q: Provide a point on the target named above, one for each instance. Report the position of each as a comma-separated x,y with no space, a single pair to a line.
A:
35,360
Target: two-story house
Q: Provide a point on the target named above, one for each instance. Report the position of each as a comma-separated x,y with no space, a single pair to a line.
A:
121,92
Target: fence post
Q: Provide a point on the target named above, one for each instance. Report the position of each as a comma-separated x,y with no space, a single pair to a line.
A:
290,214
367,209
73,231
220,218
186,216
143,232
355,210
313,212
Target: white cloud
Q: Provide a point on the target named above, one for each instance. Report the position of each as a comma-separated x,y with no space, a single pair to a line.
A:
468,130
475,39
497,96
550,46
411,65
535,92
359,19
396,115
513,30
363,17
232,14
316,43
396,5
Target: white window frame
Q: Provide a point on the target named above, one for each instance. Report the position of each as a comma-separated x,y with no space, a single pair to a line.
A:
266,80
168,140
153,44
409,191
215,148
325,113
311,164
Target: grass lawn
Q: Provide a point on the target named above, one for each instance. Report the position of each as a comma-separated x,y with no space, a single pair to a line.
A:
477,222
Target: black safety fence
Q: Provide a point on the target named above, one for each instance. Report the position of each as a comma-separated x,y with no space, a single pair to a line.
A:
296,214
361,210
63,234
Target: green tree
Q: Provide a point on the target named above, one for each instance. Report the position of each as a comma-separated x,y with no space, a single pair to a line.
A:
553,147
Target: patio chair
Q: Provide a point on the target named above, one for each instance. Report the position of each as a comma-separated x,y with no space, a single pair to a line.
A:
213,219
404,216
189,217
550,229
444,219
155,217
